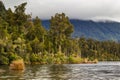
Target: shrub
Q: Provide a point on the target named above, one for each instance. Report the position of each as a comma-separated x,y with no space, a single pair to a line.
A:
35,58
17,65
75,60
13,56
4,60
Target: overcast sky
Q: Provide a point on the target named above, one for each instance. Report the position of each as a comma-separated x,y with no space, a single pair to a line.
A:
77,9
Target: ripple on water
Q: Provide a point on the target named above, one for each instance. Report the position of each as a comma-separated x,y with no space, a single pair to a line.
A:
100,71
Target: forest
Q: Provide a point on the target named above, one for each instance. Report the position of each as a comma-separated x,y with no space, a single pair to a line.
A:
22,37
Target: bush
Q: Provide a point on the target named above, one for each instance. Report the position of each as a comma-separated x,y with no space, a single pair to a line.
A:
27,58
75,60
60,58
17,65
35,58
50,60
13,56
4,60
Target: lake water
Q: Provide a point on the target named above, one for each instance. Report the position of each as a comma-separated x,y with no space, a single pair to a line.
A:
100,71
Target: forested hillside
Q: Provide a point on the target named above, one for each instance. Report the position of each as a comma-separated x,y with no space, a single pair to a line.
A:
102,30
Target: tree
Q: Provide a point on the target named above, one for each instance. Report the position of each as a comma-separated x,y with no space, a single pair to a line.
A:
35,44
3,29
60,29
10,17
40,31
36,30
2,10
60,25
20,16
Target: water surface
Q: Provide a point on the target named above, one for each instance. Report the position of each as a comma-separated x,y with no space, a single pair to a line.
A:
100,71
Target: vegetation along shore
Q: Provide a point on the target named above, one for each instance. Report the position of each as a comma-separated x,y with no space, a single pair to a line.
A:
22,37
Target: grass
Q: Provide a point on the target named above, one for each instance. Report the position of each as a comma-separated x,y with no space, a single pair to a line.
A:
17,65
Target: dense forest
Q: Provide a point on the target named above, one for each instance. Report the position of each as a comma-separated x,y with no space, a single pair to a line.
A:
22,37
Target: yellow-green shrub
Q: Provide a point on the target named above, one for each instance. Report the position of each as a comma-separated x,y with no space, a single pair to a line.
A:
4,60
75,60
35,58
13,56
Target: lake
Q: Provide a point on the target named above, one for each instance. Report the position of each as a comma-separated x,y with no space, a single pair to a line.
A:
100,71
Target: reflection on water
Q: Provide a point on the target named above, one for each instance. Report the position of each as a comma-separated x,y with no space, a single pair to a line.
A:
49,72
100,71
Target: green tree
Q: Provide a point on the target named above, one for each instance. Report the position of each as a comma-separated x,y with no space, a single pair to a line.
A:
2,10
40,31
3,29
35,44
60,29
20,16
36,30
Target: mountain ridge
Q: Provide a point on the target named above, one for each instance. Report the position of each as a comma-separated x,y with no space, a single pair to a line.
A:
101,30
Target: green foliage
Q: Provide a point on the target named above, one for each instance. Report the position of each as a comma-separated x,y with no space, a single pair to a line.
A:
2,10
13,56
36,30
4,60
60,26
75,59
20,16
101,50
60,58
35,57
23,37
35,44
60,31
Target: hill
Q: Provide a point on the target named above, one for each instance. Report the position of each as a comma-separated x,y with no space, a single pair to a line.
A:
101,30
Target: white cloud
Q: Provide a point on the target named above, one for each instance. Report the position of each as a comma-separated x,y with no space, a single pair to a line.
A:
81,9
12,3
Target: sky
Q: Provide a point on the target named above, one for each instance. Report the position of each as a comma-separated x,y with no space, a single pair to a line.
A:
74,9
